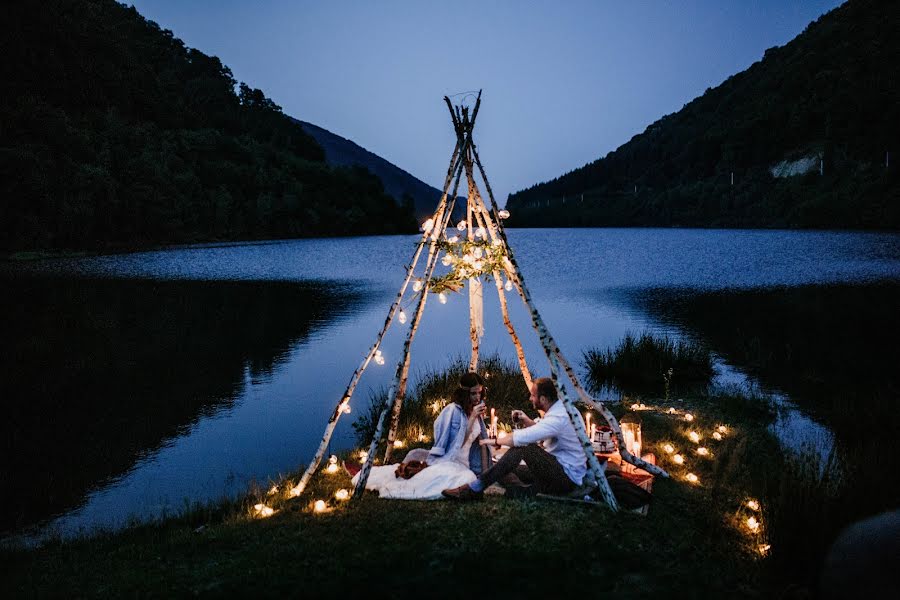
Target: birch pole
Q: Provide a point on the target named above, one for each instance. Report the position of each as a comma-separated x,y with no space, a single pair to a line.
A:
402,371
550,346
344,403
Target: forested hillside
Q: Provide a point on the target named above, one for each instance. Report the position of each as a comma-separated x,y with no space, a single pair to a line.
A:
114,134
806,137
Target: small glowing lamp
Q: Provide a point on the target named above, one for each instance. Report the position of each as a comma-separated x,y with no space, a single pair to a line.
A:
399,443
702,451
679,459
319,506
717,436
688,417
331,469
669,448
402,317
442,297
417,285
342,494
752,504
695,437
446,260
692,478
264,511
722,429
672,411
508,285
752,524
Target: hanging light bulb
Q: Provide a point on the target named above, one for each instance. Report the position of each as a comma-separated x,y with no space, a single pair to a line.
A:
428,225
442,297
417,285
508,285
401,317
504,214
461,225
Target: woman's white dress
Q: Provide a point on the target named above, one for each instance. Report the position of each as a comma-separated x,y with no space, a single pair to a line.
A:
443,472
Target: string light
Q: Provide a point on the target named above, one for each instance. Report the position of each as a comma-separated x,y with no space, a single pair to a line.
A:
342,494
401,317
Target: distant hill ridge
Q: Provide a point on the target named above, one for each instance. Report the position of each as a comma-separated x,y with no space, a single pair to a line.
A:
806,137
398,183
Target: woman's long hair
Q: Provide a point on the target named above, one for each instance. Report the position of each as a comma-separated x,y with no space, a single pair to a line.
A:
466,383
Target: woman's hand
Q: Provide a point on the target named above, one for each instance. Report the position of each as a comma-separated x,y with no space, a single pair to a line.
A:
520,418
477,411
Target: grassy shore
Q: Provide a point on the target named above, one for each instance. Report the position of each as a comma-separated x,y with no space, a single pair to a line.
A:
693,543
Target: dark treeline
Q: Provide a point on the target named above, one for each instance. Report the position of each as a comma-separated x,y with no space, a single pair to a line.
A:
830,96
114,134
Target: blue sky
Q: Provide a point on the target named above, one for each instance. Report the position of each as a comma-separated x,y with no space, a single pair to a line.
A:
564,82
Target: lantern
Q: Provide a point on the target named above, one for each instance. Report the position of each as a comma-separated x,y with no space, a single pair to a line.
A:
631,431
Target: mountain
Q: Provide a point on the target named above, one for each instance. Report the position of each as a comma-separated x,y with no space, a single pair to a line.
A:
115,135
397,182
805,137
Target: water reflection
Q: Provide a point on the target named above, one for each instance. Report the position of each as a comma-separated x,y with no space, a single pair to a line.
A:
98,373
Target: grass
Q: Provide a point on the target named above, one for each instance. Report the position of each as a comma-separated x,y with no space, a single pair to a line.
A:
693,543
649,364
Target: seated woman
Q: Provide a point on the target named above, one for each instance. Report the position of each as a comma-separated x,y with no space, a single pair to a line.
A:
455,459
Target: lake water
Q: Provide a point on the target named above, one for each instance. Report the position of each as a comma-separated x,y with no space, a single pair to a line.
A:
137,384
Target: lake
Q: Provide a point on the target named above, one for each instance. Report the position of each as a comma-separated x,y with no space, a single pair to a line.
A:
138,384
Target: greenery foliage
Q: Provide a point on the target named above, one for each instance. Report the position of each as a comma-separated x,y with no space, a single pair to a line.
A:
643,363
829,96
114,134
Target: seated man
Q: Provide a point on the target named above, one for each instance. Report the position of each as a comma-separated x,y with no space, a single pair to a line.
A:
557,468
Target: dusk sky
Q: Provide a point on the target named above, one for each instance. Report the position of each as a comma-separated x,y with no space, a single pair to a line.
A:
564,82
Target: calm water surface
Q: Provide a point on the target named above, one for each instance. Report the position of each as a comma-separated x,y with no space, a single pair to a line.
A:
140,383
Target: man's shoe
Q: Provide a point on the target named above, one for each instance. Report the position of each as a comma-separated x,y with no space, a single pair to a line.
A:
463,493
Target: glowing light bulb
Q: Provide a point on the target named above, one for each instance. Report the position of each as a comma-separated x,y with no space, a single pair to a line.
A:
331,469
695,437
332,460
319,506
342,494
672,411
503,214
722,429
461,225
398,443
508,285
752,524
691,477
679,459
752,504
688,417
717,436
442,297
635,407
446,260
669,448
702,451
401,317
428,225
264,511
363,455
417,285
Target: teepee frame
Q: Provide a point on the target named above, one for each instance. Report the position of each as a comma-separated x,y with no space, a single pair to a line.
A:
464,160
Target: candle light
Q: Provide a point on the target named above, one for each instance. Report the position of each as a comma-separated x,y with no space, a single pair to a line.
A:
587,421
593,431
493,432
